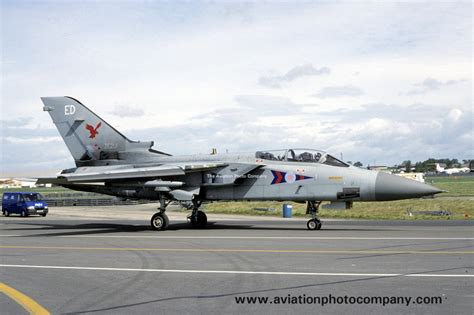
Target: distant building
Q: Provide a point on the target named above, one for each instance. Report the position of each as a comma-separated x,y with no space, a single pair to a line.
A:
6,183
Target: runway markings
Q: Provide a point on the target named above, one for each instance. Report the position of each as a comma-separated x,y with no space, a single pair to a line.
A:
281,238
277,273
25,301
238,250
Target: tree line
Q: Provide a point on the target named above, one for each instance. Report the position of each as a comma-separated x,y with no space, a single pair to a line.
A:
422,166
429,164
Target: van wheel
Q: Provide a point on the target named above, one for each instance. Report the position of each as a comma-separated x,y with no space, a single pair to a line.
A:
43,215
6,213
23,213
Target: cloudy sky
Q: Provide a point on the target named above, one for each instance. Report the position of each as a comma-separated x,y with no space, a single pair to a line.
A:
381,82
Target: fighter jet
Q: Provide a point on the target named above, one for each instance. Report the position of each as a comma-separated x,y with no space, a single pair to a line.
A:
109,163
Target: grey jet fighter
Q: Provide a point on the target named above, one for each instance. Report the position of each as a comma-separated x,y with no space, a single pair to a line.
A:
109,163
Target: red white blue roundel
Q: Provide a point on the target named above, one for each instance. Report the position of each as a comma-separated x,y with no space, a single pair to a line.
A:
284,177
290,178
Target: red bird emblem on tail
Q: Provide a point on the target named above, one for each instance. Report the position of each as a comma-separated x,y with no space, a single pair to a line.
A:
93,131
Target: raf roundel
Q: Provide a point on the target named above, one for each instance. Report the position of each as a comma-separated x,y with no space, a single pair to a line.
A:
290,178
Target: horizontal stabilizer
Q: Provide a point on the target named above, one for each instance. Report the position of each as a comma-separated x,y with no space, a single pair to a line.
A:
50,180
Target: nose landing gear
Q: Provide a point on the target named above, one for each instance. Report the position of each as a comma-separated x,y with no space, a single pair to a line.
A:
312,208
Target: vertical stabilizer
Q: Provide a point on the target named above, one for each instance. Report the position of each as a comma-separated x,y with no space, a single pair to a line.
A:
88,137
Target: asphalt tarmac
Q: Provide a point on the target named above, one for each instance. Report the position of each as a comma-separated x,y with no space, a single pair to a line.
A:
87,265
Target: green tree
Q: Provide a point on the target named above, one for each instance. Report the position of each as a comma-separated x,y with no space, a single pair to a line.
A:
407,165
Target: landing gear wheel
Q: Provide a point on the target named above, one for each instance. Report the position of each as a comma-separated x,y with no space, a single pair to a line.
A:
199,220
312,209
159,221
314,224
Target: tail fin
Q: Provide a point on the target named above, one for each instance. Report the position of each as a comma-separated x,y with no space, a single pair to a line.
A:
88,137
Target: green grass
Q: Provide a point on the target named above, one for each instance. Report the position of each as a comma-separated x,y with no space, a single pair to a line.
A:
455,185
460,209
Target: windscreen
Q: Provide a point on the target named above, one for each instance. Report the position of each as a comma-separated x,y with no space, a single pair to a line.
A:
331,160
32,197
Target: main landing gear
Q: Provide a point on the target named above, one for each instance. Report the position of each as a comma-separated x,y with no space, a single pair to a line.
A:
312,208
197,218
159,221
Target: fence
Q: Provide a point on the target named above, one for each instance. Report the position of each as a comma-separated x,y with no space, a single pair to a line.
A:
86,199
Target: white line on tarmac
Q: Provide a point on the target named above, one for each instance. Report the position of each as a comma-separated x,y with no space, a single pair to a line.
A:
273,273
281,238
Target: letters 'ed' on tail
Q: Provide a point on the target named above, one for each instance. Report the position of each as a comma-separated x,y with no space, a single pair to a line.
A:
90,139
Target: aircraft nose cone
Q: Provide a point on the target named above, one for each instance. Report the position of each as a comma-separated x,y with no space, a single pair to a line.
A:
393,187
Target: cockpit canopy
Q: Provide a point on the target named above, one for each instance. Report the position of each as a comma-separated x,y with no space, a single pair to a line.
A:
300,155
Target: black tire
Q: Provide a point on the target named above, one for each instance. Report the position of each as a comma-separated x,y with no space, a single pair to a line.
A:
199,221
159,221
311,225
6,213
318,224
23,213
314,224
43,215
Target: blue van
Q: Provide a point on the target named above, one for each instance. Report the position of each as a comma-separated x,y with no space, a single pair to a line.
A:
24,204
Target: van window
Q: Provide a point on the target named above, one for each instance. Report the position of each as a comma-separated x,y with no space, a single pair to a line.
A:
32,197
12,197
5,197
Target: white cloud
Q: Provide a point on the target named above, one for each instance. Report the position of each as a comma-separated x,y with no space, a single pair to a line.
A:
294,73
127,111
455,114
339,91
199,84
430,84
33,140
366,134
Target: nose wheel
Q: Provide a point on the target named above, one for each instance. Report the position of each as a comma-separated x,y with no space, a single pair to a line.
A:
312,208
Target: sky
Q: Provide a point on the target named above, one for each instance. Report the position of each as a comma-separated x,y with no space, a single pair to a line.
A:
377,81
